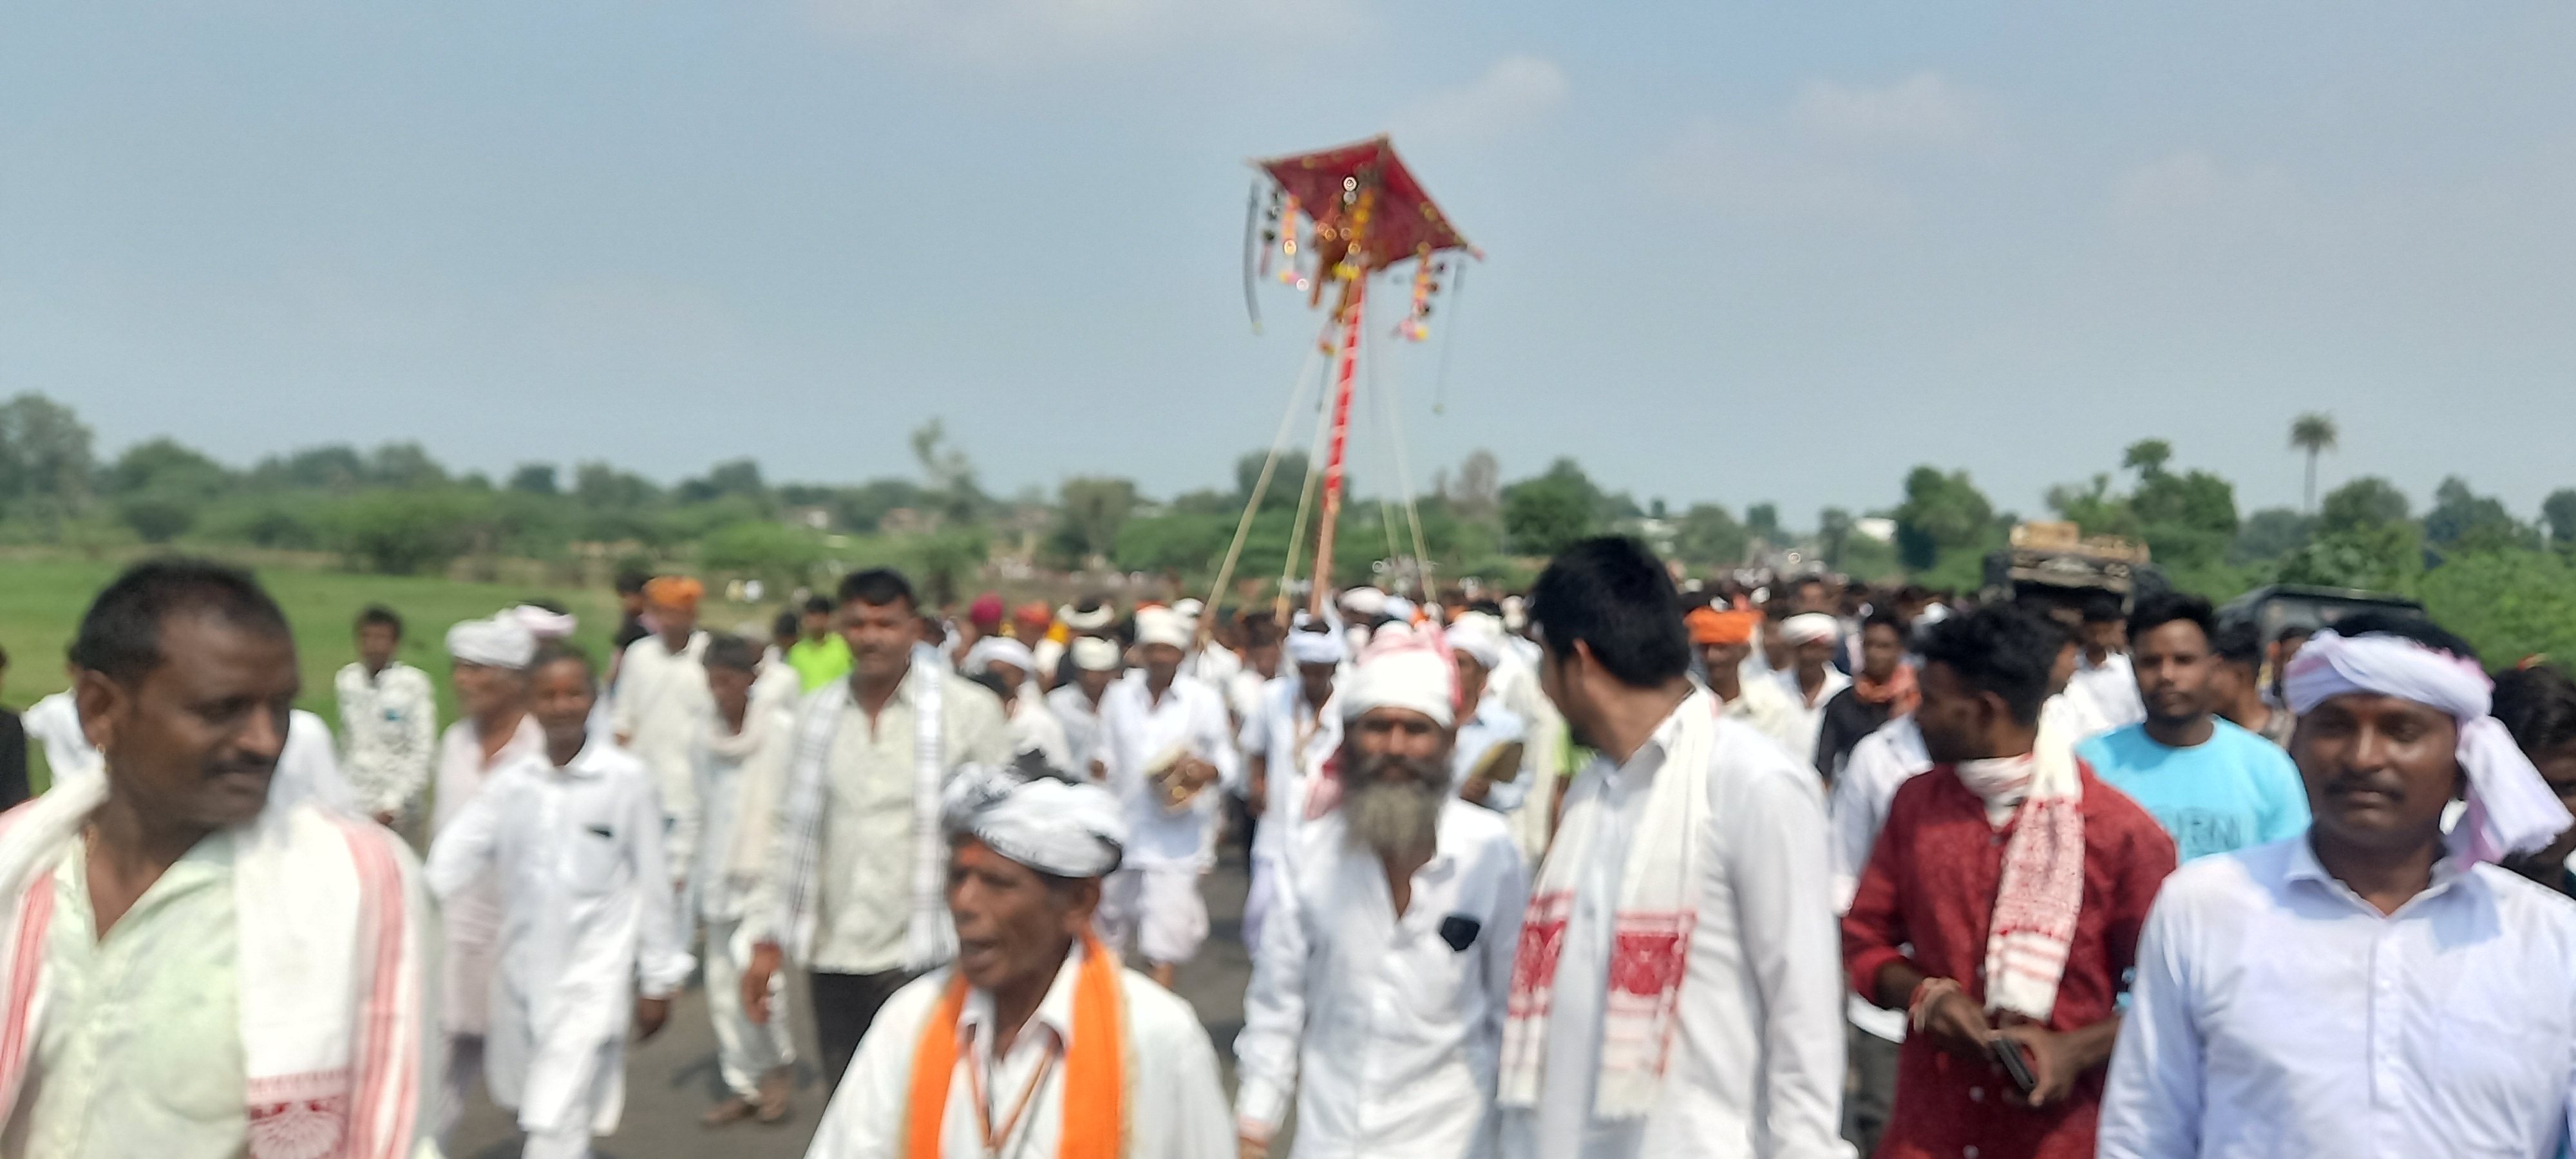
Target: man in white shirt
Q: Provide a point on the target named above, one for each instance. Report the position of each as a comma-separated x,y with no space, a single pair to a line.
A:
1036,1042
1384,970
1168,741
1076,703
1285,744
740,768
2104,679
1724,639
2372,986
1008,668
487,665
388,723
1486,756
205,965
853,892
660,711
1675,991
591,941
1812,680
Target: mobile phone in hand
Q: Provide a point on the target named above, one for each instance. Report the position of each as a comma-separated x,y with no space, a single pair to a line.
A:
2008,1055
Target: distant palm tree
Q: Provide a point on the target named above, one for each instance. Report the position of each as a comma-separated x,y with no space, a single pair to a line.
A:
2313,433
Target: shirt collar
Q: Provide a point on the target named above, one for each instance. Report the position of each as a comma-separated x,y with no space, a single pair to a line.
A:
585,764
2304,866
1054,1012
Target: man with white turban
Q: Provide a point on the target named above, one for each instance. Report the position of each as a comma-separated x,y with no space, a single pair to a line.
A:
1486,760
1286,741
488,668
1076,703
1378,987
1811,678
1036,1041
1168,741
2373,985
1033,726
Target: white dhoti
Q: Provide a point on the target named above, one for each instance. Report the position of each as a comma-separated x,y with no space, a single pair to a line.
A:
746,1051
1157,906
465,997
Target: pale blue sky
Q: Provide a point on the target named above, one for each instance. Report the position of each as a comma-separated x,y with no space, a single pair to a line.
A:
1742,251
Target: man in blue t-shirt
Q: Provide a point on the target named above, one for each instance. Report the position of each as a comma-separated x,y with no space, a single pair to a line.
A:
2214,786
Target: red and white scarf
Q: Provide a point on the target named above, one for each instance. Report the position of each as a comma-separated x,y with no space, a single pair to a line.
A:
335,935
2042,888
1650,927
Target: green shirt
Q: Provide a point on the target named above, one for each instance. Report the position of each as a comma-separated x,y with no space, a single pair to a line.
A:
819,662
139,1051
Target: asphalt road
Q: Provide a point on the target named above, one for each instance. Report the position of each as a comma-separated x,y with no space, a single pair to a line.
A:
671,1080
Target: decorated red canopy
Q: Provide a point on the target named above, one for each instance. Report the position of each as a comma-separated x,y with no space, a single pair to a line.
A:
1369,210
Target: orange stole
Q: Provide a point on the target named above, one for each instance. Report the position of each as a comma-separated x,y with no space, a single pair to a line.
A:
1095,1086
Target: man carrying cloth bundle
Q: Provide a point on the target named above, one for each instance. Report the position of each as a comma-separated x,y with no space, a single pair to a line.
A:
1036,1042
2372,986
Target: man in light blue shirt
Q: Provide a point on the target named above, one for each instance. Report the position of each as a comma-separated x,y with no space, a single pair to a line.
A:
2214,787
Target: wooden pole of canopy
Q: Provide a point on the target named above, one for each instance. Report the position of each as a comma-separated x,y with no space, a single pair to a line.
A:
1343,376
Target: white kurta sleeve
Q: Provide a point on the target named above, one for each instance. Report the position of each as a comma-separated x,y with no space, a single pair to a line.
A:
1855,816
465,847
1500,944
1199,1126
1274,1016
420,749
2152,1106
662,953
865,1119
1774,843
1216,739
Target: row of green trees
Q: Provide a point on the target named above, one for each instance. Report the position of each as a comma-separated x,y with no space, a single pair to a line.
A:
396,508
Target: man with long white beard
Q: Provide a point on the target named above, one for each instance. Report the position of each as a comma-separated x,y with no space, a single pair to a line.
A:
1385,965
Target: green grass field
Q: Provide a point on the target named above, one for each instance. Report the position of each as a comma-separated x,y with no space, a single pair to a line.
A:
41,600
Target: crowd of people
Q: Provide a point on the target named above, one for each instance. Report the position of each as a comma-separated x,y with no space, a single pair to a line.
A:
1615,867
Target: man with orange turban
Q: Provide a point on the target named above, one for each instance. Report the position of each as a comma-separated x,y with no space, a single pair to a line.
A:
1723,638
661,710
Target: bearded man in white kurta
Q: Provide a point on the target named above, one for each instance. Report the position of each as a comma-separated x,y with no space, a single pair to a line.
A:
1378,988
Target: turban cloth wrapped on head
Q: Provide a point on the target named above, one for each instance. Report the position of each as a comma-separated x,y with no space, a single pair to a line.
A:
674,591
1714,626
2510,808
1053,826
1404,667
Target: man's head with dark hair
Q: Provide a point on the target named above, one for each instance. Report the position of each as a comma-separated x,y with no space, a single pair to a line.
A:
2538,706
630,590
563,685
787,627
726,650
2106,631
1611,623
379,632
1882,643
2236,684
1985,676
2240,646
877,613
186,673
732,663
881,586
2169,651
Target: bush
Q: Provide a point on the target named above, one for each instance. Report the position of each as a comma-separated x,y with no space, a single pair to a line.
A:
404,532
158,516
762,549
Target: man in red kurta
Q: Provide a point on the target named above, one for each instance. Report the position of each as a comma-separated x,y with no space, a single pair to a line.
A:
2003,900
